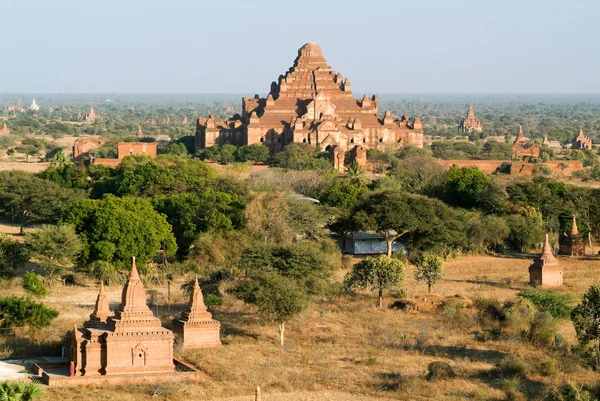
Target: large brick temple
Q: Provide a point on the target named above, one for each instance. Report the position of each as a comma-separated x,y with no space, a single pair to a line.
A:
311,104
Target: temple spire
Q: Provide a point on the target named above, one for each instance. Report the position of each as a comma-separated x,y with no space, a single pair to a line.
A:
470,112
257,394
139,134
574,230
102,309
547,254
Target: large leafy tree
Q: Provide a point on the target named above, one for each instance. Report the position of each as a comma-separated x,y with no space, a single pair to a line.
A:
116,229
422,222
301,156
461,186
25,198
277,297
55,247
376,273
586,319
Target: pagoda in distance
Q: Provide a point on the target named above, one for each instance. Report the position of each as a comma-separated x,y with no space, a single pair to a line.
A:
470,123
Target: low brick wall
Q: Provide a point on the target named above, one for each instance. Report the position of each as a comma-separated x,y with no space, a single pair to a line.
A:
487,166
182,371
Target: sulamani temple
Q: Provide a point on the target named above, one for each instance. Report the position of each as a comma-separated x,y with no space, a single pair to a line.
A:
311,104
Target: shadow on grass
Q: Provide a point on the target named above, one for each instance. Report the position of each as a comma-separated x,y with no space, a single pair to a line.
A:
460,352
498,284
231,323
20,347
532,389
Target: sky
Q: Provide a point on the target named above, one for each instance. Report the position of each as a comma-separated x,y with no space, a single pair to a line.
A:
241,46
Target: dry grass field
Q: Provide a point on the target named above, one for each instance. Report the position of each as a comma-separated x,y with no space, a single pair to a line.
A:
344,348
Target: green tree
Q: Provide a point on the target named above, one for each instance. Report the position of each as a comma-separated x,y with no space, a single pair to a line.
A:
55,247
461,186
430,269
277,297
422,222
116,229
32,283
586,319
24,312
176,148
301,156
25,198
256,153
13,255
377,273
343,192
20,391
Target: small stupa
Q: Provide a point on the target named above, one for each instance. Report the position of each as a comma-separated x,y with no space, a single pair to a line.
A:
5,130
545,270
195,327
139,134
572,244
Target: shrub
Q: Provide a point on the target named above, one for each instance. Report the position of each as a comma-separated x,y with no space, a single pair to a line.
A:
212,300
32,283
547,367
557,304
20,391
542,330
513,367
568,392
440,370
21,312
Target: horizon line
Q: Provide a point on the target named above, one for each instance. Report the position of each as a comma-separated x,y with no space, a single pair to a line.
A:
260,93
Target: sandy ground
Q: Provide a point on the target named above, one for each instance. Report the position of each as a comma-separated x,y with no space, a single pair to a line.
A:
23,166
11,369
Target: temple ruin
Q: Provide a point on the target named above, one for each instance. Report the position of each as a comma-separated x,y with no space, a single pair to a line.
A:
545,270
470,123
581,141
91,116
311,104
572,244
519,149
125,149
195,327
132,341
5,130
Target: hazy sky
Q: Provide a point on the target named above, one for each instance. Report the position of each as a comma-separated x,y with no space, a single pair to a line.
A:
240,46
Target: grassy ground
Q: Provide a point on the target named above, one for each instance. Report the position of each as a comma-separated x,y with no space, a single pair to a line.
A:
345,348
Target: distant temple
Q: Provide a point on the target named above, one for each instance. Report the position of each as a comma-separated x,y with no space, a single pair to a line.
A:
310,104
125,149
572,244
5,130
34,106
519,149
545,269
581,141
91,116
139,133
132,341
470,123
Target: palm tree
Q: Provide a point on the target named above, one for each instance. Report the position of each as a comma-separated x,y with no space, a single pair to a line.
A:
19,391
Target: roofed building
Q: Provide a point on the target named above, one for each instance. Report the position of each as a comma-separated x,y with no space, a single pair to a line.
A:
91,116
311,104
545,269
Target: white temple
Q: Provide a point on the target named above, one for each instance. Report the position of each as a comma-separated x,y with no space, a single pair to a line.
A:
34,106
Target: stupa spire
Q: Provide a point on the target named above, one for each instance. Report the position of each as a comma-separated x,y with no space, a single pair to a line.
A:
139,134
574,230
257,396
547,254
470,112
102,309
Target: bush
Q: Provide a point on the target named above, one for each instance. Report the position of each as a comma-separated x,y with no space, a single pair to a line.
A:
32,283
20,391
212,300
13,255
21,312
440,371
568,392
513,367
557,304
547,367
543,329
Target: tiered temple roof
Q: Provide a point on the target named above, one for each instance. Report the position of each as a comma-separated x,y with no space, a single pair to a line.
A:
581,141
470,123
311,104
